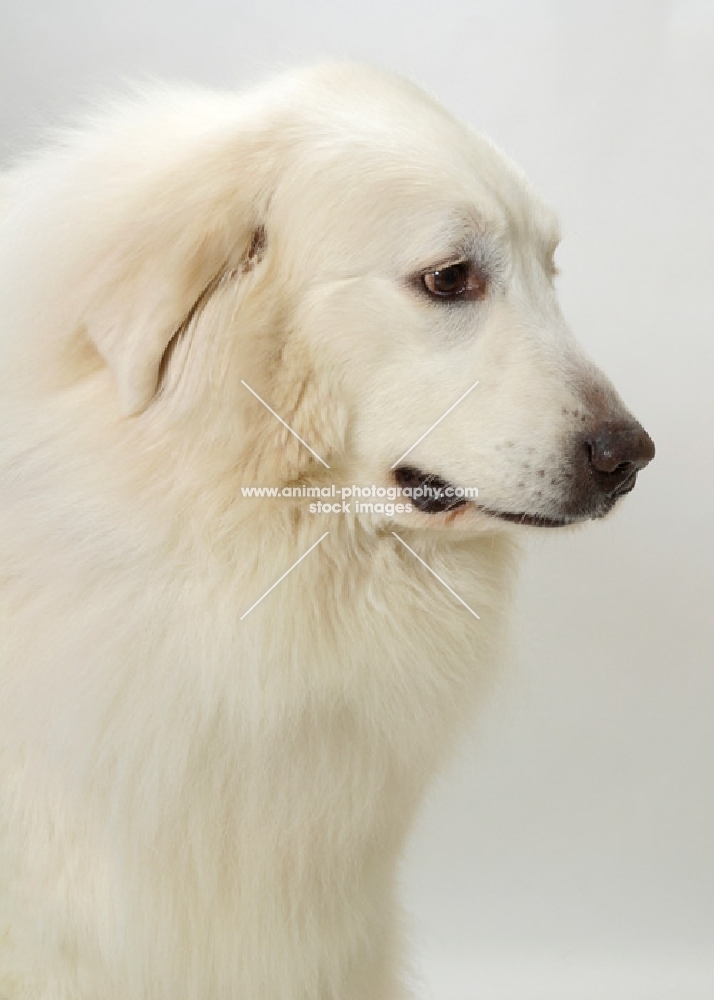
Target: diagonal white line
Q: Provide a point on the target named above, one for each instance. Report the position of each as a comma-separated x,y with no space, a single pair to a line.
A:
284,575
437,576
287,425
433,426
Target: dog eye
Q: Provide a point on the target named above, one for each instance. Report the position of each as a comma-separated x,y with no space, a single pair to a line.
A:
456,281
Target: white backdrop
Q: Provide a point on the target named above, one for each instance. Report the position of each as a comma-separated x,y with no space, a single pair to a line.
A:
569,854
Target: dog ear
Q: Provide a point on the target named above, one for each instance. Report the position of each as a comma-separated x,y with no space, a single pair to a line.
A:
190,224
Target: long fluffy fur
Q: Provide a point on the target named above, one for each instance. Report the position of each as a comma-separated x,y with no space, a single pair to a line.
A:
191,804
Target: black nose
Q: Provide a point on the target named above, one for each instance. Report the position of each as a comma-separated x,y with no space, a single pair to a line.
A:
616,453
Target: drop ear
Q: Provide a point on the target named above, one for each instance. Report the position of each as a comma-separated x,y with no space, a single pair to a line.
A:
175,234
133,324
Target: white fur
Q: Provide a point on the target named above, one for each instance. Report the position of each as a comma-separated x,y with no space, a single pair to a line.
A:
191,805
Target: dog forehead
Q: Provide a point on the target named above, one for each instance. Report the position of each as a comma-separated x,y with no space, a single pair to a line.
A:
377,134
378,166
409,204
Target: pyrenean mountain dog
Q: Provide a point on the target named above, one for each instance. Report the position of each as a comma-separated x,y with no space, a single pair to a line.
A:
219,710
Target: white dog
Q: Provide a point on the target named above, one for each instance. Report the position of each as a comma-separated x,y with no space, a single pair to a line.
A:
210,751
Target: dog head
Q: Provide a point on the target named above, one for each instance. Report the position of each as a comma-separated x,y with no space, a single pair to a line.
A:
425,283
342,252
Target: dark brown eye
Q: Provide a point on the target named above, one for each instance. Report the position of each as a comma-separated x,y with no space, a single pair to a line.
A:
456,281
448,282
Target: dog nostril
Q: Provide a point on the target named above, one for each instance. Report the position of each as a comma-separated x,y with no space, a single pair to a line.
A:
616,452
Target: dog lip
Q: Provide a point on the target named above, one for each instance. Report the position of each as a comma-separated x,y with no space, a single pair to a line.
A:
531,520
536,520
436,501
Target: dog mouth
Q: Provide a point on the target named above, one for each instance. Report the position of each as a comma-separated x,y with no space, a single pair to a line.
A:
535,520
428,492
432,494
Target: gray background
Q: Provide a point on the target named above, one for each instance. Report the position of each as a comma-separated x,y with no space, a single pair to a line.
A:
569,853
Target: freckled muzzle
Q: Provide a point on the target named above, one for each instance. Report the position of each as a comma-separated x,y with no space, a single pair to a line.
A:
603,468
